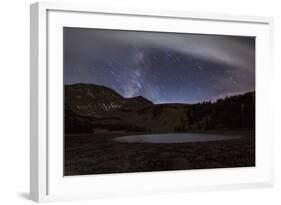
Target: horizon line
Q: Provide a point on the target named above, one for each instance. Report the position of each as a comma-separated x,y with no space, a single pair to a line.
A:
161,103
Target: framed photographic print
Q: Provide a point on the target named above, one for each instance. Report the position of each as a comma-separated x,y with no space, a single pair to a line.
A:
128,101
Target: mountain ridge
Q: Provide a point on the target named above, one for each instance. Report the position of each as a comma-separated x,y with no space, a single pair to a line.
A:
95,108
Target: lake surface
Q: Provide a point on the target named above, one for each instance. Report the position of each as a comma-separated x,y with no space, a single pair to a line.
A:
176,138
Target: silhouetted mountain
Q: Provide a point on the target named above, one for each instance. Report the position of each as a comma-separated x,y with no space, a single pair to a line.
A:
94,108
95,100
141,101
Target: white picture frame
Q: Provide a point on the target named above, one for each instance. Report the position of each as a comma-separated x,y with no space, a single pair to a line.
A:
47,182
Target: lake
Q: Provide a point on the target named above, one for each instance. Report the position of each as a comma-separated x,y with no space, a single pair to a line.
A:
176,138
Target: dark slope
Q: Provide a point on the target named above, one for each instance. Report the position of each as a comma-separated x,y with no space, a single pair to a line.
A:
94,108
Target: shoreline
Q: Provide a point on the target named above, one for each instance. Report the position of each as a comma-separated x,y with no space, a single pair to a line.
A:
121,134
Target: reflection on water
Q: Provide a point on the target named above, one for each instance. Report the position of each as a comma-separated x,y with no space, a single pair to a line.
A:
175,138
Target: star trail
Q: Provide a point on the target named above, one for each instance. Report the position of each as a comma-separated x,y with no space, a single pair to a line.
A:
162,67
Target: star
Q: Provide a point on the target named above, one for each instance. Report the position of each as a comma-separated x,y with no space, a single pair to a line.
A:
162,67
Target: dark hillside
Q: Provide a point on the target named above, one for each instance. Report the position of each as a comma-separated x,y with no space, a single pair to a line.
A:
93,108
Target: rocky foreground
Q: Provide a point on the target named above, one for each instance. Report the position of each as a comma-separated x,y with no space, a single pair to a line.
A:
99,154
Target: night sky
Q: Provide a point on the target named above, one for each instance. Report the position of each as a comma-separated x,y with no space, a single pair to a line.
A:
162,67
